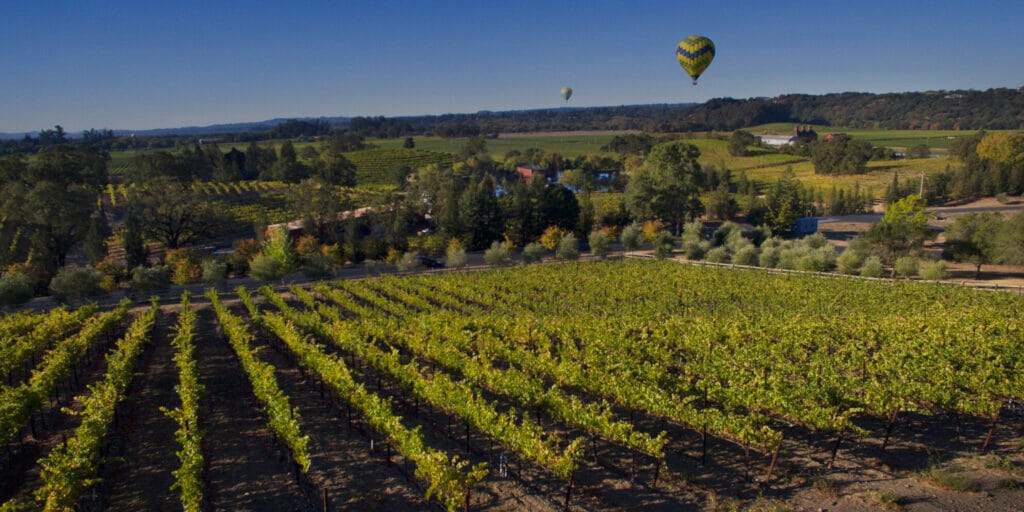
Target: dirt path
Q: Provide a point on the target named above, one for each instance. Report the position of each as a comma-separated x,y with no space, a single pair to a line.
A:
342,464
245,469
142,478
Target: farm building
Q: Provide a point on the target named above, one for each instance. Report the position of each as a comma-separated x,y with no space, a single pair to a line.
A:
804,133
529,171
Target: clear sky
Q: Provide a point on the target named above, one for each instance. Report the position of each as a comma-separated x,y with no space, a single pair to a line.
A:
140,64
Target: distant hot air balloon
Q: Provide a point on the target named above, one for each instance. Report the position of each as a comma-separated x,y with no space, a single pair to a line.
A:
566,93
694,54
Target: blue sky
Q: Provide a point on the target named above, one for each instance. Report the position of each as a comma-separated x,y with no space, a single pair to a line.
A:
134,65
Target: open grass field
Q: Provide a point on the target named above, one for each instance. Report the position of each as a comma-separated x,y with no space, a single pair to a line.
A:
935,139
375,166
650,385
568,145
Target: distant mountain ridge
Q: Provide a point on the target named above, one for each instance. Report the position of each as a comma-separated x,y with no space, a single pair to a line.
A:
1001,108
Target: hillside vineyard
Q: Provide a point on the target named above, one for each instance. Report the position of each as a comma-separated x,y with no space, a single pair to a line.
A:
542,379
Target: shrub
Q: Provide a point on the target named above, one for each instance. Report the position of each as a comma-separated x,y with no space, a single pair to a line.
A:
1002,198
736,242
664,243
934,270
872,267
318,266
265,268
497,254
151,278
850,261
215,272
245,250
820,260
769,257
409,261
393,256
693,232
694,250
432,245
552,235
651,229
113,268
789,257
75,282
15,288
306,247
600,243
746,256
455,255
568,248
718,255
184,265
760,234
278,247
533,252
724,232
334,252
906,266
815,241
630,237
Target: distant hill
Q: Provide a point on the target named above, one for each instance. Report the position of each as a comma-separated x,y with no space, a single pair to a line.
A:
213,129
948,110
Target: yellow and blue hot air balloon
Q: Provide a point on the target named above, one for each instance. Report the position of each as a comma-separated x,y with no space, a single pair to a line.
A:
694,54
566,93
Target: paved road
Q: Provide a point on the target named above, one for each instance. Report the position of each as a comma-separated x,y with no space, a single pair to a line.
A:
938,210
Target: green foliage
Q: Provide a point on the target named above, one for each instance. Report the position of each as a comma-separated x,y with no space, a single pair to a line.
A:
906,266
215,272
668,185
409,261
497,254
850,261
630,237
975,238
664,244
150,278
568,247
739,141
872,267
276,259
265,268
841,155
769,257
746,256
184,265
949,480
552,237
718,255
75,282
904,228
533,252
318,265
455,254
695,250
15,288
600,243
933,270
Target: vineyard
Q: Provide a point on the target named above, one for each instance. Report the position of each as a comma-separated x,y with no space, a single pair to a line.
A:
576,386
378,166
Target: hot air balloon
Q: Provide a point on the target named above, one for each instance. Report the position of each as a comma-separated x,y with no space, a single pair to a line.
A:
694,54
566,93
